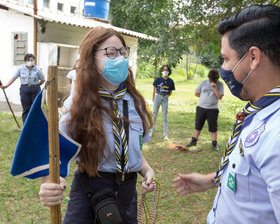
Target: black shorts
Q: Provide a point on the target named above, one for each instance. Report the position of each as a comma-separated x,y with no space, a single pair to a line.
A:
212,118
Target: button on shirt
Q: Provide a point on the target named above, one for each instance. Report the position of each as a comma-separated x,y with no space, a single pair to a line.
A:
255,166
31,76
136,138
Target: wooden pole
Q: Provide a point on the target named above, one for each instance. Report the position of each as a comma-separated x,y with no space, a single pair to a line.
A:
10,105
35,31
54,156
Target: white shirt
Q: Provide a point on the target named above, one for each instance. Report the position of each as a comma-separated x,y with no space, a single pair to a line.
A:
72,75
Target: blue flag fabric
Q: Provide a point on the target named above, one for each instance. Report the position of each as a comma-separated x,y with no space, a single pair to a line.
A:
31,158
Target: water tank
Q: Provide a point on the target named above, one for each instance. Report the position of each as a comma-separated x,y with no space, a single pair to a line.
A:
97,8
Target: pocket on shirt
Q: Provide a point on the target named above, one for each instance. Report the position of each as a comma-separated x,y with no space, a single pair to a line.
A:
241,174
136,134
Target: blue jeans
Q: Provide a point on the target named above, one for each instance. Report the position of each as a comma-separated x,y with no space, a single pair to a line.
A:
163,101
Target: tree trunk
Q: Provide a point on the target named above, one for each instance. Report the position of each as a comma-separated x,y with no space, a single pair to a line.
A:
197,60
155,71
187,66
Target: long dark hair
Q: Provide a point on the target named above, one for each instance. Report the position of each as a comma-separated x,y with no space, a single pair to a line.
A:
86,123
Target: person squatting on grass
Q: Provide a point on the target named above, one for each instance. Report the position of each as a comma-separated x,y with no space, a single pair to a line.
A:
163,87
31,77
248,178
209,92
104,84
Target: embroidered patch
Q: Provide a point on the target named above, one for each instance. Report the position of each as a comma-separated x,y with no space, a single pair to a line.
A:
231,182
141,141
254,136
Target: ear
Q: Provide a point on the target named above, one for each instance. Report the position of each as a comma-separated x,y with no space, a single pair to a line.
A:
254,54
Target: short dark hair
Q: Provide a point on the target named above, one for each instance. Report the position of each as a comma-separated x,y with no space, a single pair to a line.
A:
169,69
27,56
257,25
213,75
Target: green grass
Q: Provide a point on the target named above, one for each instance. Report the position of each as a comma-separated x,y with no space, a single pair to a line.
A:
19,201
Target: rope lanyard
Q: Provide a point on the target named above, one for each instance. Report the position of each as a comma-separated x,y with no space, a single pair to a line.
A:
152,215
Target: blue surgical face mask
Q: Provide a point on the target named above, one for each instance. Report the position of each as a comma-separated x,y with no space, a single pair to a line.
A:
115,70
233,85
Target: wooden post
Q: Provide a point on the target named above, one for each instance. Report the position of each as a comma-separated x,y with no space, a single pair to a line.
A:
35,31
54,156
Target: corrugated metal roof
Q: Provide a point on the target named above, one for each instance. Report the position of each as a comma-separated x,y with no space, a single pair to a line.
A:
68,19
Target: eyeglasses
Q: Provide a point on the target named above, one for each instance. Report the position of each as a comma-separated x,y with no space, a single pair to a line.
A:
112,52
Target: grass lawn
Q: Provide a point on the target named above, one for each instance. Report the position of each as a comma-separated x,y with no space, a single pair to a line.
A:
19,201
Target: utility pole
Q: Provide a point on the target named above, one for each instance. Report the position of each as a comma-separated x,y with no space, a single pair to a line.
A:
35,31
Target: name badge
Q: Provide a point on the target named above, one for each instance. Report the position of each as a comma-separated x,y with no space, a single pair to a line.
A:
141,141
231,182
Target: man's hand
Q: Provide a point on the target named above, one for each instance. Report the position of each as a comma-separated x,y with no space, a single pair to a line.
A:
194,182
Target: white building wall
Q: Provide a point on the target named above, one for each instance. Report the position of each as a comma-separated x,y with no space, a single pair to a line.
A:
10,22
132,42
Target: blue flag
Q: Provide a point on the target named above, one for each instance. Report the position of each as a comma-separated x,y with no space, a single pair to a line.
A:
31,158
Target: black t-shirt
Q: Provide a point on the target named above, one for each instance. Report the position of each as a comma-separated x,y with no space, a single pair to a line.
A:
164,86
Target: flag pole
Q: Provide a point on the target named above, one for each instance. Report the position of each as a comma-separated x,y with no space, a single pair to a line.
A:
10,106
54,157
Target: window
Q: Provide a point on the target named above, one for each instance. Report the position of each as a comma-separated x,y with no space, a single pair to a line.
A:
60,6
73,9
46,3
20,47
31,2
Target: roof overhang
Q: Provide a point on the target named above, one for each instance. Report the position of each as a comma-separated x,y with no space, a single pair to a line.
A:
63,18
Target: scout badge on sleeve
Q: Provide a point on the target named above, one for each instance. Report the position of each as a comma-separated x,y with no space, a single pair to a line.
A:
31,158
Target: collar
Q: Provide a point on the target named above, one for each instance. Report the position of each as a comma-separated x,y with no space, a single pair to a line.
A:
269,110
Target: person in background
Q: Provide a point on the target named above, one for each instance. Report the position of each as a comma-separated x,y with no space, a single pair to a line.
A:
248,178
72,77
209,92
111,154
31,77
163,87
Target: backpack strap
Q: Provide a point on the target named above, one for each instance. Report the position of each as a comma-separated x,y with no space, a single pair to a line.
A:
85,184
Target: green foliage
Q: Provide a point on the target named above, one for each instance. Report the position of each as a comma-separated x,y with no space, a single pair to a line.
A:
178,25
210,60
144,69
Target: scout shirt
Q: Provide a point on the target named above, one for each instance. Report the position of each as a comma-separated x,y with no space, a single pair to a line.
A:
250,184
27,76
136,138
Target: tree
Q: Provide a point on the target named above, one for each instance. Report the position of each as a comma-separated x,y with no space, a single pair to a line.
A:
178,25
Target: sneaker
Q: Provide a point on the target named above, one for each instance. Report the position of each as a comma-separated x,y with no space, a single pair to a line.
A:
215,146
151,134
192,143
165,137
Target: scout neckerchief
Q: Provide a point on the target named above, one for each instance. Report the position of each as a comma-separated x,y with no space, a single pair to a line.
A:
118,127
250,108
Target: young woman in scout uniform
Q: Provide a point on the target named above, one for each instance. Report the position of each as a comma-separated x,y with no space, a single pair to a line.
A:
96,120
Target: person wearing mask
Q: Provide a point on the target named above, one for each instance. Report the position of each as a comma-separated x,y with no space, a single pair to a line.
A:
31,77
163,87
248,178
209,92
111,155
